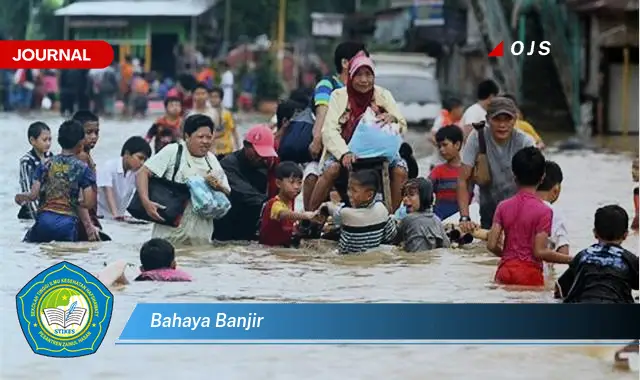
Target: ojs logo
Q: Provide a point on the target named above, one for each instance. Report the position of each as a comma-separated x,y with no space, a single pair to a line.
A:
64,311
518,47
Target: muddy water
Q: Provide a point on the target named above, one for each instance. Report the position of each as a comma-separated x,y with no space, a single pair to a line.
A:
245,274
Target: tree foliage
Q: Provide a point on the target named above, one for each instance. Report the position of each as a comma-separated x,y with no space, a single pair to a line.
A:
268,85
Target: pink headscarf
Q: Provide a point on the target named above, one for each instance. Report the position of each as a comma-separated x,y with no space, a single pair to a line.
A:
360,60
358,101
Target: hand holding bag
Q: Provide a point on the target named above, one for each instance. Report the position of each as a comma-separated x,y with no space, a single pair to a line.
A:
206,202
481,173
171,195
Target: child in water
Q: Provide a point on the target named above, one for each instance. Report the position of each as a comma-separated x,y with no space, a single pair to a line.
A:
158,262
549,191
278,216
63,178
604,272
88,224
526,223
421,229
367,223
39,136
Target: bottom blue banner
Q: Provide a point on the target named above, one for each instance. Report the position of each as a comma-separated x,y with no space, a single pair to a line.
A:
282,322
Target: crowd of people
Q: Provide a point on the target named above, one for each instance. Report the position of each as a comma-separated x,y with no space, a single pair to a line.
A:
202,182
99,90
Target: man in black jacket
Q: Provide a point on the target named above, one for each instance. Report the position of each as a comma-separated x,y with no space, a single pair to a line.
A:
246,170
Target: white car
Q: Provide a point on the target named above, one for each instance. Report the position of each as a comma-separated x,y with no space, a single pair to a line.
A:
416,92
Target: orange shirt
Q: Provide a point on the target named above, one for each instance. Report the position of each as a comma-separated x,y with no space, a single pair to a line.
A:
140,86
204,75
126,73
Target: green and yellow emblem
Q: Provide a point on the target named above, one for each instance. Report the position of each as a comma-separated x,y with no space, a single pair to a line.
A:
64,311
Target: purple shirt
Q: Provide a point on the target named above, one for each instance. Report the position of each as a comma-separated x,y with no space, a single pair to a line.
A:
522,217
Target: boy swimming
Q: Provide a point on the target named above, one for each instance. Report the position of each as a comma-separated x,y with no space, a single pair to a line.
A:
605,272
421,229
63,178
526,223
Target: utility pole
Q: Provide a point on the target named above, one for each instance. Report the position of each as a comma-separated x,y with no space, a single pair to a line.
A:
282,21
226,33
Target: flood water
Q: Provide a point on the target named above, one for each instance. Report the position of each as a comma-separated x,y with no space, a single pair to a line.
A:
250,274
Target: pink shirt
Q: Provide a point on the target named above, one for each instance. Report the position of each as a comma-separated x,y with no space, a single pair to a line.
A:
522,217
50,83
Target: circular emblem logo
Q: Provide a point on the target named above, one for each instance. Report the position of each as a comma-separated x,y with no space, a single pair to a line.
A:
64,311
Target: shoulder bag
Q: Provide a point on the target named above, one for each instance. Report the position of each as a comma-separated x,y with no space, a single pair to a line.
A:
481,172
168,193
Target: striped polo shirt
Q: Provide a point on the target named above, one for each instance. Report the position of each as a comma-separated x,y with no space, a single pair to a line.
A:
363,228
323,90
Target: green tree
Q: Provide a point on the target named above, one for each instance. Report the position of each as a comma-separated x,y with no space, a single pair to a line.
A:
268,85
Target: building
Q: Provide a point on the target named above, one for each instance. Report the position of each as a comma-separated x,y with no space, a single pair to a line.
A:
150,30
610,30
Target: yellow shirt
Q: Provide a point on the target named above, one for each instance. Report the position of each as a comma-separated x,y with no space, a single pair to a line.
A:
527,128
277,208
224,143
331,129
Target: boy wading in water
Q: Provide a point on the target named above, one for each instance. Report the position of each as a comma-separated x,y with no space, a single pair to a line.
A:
40,139
604,272
88,223
61,179
526,223
279,217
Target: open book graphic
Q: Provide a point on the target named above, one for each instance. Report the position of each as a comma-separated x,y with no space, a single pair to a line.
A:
73,316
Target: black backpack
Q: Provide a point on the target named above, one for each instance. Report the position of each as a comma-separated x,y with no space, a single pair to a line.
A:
294,144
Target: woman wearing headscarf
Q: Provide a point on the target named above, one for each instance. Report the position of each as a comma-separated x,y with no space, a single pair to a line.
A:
346,107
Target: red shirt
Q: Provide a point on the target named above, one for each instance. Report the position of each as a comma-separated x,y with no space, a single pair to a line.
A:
522,217
445,182
273,230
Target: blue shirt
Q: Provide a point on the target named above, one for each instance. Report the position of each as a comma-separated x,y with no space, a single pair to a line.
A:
61,179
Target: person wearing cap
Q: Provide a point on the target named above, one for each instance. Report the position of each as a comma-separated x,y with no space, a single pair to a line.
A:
247,171
346,107
503,141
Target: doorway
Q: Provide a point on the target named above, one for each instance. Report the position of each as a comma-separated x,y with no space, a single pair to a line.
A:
162,59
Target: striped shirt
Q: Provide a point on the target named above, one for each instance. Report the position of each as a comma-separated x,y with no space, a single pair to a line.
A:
28,164
323,90
363,228
445,184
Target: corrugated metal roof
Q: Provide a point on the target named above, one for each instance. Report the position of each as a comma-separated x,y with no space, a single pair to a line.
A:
175,8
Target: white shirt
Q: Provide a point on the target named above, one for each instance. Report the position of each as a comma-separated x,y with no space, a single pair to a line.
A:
227,89
123,185
473,114
559,234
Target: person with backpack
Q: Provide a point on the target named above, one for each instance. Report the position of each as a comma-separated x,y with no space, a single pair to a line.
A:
302,142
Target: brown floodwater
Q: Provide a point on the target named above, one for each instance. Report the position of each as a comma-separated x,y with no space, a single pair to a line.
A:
254,274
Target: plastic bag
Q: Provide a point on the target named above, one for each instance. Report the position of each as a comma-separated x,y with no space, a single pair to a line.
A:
207,203
374,139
